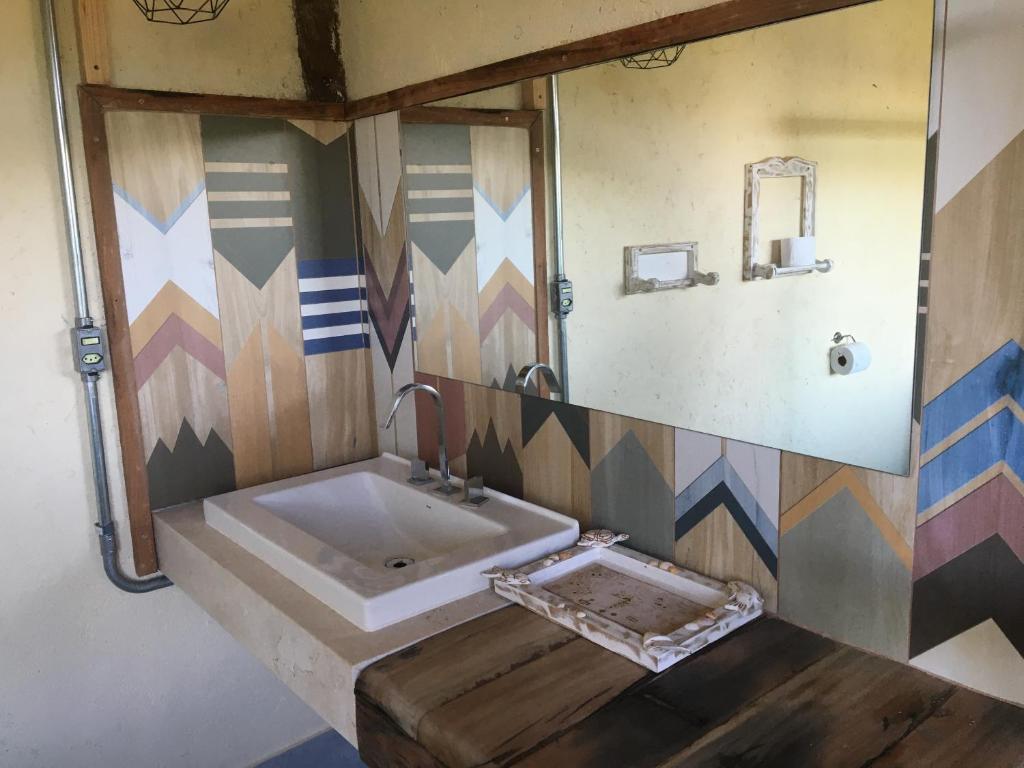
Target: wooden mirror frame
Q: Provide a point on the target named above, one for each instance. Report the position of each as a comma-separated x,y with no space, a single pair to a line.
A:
96,100
94,103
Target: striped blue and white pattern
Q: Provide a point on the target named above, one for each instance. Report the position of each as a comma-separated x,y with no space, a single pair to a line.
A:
332,299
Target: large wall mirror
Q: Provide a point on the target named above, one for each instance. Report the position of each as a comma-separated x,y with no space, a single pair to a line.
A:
741,222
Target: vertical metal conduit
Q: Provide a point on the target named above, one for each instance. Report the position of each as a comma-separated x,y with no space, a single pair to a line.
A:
83,319
563,331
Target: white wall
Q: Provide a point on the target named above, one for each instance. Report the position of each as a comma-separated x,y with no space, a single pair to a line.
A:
90,676
658,156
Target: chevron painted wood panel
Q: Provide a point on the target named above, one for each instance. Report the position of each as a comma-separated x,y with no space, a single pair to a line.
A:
967,621
248,163
437,163
503,221
727,510
388,273
163,228
245,296
556,457
469,208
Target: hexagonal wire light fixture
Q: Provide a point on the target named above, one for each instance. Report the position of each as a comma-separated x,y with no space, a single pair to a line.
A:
663,57
181,11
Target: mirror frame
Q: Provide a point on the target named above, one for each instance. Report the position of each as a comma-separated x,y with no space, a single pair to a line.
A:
95,101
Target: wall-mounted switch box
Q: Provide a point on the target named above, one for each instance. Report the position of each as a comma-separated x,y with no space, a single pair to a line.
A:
89,347
561,296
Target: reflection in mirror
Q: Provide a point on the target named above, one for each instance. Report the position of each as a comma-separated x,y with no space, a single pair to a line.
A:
661,156
472,211
777,175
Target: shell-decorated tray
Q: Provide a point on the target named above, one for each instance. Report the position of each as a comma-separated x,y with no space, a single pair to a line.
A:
652,612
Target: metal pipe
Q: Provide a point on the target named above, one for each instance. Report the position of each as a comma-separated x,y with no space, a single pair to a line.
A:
105,523
67,181
563,331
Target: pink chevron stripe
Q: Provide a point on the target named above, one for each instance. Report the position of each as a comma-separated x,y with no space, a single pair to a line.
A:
175,332
507,299
388,309
996,507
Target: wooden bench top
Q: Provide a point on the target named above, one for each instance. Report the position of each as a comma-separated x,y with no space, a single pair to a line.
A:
512,688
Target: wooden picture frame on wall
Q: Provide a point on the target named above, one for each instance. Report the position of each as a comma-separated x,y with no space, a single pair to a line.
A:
532,121
95,103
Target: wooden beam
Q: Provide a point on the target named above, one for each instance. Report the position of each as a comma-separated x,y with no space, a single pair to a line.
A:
500,118
535,93
203,103
319,41
93,44
721,19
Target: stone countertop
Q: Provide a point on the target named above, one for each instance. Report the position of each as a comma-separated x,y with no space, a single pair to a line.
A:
511,688
311,648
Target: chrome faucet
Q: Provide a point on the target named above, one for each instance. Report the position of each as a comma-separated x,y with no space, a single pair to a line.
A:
446,488
526,373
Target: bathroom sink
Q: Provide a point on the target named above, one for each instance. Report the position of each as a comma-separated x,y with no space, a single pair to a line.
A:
377,549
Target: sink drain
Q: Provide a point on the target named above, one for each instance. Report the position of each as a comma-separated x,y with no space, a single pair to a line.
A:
398,562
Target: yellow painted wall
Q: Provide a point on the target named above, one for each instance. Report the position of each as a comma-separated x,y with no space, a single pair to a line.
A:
390,44
90,676
658,156
250,50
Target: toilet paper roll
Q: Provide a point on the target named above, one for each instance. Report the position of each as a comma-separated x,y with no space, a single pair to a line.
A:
799,251
850,358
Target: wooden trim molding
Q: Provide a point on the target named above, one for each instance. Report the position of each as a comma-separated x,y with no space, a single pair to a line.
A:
93,42
720,19
94,102
129,424
501,118
109,98
538,185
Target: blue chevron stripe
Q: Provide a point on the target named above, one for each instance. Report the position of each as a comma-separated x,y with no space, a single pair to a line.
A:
1001,374
1001,438
165,225
720,484
503,214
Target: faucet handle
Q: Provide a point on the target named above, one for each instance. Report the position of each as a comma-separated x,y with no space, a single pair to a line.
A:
418,473
473,491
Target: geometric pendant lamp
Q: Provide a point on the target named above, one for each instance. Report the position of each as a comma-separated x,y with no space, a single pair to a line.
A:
181,11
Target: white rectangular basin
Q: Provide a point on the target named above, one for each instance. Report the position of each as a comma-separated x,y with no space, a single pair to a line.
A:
377,549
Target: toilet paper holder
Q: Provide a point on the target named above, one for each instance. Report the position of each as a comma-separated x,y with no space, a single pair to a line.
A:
847,356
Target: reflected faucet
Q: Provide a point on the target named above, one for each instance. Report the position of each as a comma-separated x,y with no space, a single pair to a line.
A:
526,373
446,488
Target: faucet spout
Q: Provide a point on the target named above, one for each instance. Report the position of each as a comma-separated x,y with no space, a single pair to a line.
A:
526,373
446,487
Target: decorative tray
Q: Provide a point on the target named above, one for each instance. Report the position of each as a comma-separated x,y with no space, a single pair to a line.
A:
652,612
